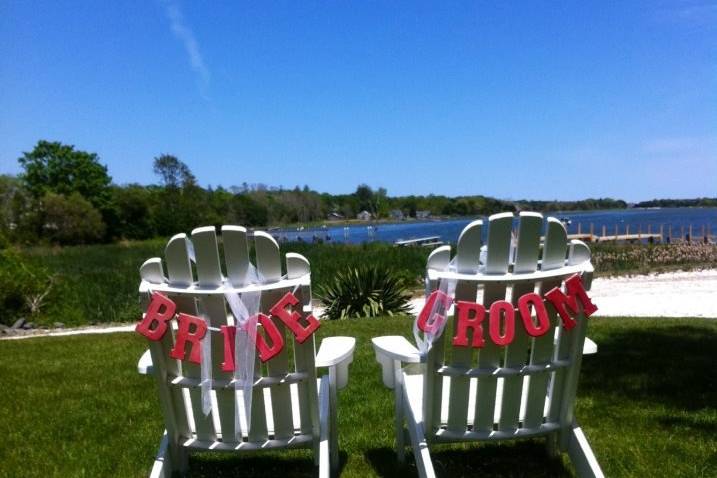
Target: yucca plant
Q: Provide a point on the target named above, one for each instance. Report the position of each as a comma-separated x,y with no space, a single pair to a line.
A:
364,291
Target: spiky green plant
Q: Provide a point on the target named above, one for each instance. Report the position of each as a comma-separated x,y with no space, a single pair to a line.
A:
364,291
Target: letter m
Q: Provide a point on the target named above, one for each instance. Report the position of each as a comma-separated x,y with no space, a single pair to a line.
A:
566,305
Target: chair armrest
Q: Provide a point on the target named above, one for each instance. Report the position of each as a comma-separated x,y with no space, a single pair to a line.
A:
589,347
145,366
336,353
391,352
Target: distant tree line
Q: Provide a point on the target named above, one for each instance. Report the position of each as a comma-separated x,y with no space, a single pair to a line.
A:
66,196
699,202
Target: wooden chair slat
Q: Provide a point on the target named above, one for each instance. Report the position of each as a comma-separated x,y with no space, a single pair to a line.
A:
516,354
279,366
467,261
304,354
236,254
268,263
179,269
209,273
497,262
554,251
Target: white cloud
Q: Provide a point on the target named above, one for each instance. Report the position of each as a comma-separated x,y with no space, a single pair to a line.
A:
185,35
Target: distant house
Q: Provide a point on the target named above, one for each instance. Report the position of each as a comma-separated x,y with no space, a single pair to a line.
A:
396,214
334,216
364,216
423,214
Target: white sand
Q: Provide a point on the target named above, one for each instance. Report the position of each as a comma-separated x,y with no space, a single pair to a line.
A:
672,294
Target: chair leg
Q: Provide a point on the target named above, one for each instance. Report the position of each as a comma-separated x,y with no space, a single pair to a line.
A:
398,413
170,458
418,442
333,419
323,457
582,455
551,445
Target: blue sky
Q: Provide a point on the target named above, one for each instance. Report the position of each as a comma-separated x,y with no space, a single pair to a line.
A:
541,100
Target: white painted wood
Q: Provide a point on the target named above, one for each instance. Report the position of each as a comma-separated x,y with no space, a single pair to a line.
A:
162,468
526,389
152,271
144,366
413,408
179,269
582,455
268,264
438,260
396,347
337,352
280,394
304,354
390,351
497,261
324,412
209,275
516,354
236,254
286,404
180,274
554,252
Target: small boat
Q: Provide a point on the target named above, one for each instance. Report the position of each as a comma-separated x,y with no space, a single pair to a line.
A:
566,220
421,241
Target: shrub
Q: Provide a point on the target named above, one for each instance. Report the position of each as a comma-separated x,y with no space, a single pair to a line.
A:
25,289
364,291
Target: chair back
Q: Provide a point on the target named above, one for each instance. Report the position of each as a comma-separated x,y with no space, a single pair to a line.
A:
195,274
528,386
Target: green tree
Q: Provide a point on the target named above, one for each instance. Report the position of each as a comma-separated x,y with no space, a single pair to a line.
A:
173,172
59,168
71,219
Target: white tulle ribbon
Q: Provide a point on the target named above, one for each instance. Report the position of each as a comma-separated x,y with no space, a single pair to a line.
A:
206,365
245,309
425,339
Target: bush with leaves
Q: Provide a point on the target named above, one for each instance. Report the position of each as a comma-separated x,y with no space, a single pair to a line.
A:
364,291
26,289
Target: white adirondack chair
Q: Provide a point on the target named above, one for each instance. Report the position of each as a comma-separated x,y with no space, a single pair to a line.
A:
525,389
291,408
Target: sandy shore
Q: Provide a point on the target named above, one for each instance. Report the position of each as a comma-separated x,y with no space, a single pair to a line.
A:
672,294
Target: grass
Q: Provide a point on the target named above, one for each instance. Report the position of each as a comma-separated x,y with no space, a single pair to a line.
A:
98,283
74,406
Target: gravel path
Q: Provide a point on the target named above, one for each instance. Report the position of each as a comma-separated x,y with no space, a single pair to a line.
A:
672,294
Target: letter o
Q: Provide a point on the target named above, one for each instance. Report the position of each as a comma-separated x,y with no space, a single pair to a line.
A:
497,309
541,313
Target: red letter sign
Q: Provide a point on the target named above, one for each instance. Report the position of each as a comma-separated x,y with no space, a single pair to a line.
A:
465,322
563,303
229,332
291,319
277,341
497,309
184,335
154,315
541,313
432,324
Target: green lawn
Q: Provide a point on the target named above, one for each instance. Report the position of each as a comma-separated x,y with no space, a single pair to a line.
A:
75,406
